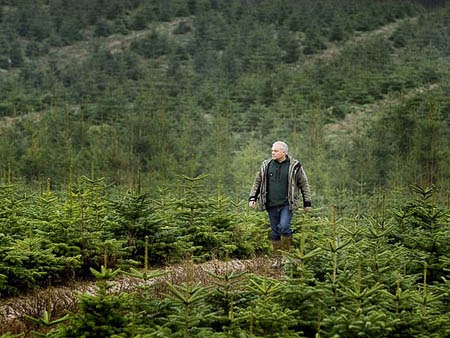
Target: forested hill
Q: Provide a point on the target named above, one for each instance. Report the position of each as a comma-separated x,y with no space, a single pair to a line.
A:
142,91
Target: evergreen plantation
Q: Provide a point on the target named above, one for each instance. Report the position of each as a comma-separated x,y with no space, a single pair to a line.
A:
130,134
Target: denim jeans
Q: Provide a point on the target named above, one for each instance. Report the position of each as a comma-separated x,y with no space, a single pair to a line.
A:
280,221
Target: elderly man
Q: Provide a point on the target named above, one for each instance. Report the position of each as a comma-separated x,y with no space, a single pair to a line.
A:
277,188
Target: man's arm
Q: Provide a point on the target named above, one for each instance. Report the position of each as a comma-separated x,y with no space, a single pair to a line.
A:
254,192
302,181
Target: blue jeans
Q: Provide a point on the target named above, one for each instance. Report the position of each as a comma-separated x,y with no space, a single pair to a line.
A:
280,221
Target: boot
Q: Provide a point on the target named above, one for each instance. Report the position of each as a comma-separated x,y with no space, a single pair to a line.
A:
276,254
286,243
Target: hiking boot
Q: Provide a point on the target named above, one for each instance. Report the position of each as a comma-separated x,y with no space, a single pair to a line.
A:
286,243
276,254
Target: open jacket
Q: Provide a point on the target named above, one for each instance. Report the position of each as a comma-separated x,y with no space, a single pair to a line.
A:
297,182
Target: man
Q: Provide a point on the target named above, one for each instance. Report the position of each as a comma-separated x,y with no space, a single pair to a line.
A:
276,189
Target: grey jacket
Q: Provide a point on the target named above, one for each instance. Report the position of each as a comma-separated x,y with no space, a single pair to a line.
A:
298,182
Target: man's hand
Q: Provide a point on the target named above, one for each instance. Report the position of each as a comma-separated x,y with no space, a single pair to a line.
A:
306,209
252,204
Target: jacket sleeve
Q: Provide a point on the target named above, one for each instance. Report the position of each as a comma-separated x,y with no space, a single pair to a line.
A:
302,181
256,188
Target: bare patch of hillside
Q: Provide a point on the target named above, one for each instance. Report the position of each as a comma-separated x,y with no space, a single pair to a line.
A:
58,300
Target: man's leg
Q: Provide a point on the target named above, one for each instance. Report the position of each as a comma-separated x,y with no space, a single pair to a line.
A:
275,234
285,228
274,219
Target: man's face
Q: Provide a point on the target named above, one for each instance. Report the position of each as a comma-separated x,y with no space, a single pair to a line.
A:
277,153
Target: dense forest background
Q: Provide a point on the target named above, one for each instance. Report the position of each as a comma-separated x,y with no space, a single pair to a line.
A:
143,91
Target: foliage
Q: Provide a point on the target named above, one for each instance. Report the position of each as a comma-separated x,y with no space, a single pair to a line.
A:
378,275
109,83
423,231
97,312
49,239
131,130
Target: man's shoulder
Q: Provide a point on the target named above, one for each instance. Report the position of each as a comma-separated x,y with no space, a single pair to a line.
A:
266,161
265,164
293,161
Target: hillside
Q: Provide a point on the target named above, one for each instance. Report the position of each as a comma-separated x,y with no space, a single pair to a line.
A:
136,73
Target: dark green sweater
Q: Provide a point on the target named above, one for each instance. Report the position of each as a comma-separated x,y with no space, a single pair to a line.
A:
277,183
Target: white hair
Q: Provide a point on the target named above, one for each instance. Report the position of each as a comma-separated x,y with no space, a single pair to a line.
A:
282,145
